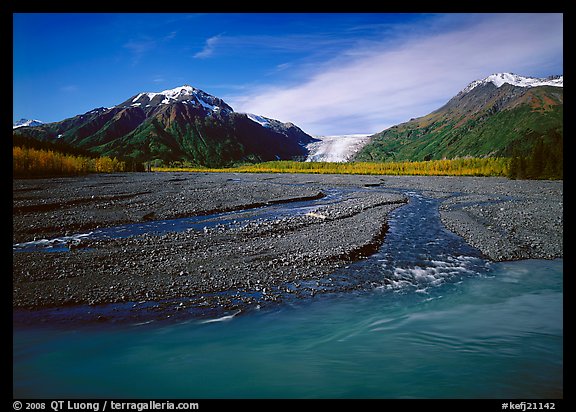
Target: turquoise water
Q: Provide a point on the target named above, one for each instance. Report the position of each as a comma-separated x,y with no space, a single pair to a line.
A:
495,335
432,319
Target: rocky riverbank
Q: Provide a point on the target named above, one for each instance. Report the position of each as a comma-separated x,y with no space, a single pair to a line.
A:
256,259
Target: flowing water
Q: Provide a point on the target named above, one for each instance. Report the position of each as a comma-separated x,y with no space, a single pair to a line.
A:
435,320
159,227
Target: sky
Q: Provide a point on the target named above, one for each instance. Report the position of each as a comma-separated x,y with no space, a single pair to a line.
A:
330,74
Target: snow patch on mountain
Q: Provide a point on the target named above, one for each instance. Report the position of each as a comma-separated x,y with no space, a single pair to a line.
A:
336,148
186,94
170,94
262,121
26,123
498,79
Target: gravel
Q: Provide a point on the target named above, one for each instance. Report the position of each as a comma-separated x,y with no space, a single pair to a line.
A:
257,260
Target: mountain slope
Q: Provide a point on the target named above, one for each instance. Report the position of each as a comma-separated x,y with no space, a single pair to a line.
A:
180,124
497,116
26,122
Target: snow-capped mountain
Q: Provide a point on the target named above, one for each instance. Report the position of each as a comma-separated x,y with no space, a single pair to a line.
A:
186,94
180,124
26,122
495,116
498,79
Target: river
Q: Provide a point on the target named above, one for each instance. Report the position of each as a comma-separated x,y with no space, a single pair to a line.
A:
434,320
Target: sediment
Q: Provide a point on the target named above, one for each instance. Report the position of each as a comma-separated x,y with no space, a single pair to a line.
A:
502,218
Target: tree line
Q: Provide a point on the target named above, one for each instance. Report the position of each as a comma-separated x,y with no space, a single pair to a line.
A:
488,166
29,162
544,161
32,158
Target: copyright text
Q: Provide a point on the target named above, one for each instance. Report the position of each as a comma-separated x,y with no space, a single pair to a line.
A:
101,406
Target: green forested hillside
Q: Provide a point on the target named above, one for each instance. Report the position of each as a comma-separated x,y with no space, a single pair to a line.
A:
182,125
501,126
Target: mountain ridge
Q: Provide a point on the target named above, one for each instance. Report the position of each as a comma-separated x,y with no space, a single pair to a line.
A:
183,124
26,122
499,79
495,116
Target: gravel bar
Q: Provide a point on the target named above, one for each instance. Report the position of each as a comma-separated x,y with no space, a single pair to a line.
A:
232,266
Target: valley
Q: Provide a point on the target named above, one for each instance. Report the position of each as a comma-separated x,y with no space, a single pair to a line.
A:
252,207
252,233
504,116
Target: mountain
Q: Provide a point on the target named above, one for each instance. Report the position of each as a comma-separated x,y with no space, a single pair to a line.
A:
502,115
26,122
498,79
183,124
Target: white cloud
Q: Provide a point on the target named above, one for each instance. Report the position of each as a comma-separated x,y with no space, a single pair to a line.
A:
209,47
369,89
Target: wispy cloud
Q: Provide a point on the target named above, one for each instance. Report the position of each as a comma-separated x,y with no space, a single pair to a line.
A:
366,89
138,48
144,44
170,36
209,47
315,43
283,66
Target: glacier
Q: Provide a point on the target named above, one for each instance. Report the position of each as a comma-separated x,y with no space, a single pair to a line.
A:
339,148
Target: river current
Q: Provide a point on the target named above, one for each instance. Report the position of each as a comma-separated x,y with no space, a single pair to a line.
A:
434,320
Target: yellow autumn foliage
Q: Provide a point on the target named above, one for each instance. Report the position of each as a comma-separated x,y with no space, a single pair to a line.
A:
469,166
39,162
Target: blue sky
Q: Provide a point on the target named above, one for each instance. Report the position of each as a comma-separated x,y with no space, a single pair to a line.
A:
334,73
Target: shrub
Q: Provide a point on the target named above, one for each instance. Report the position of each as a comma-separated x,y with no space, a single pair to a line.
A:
28,162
